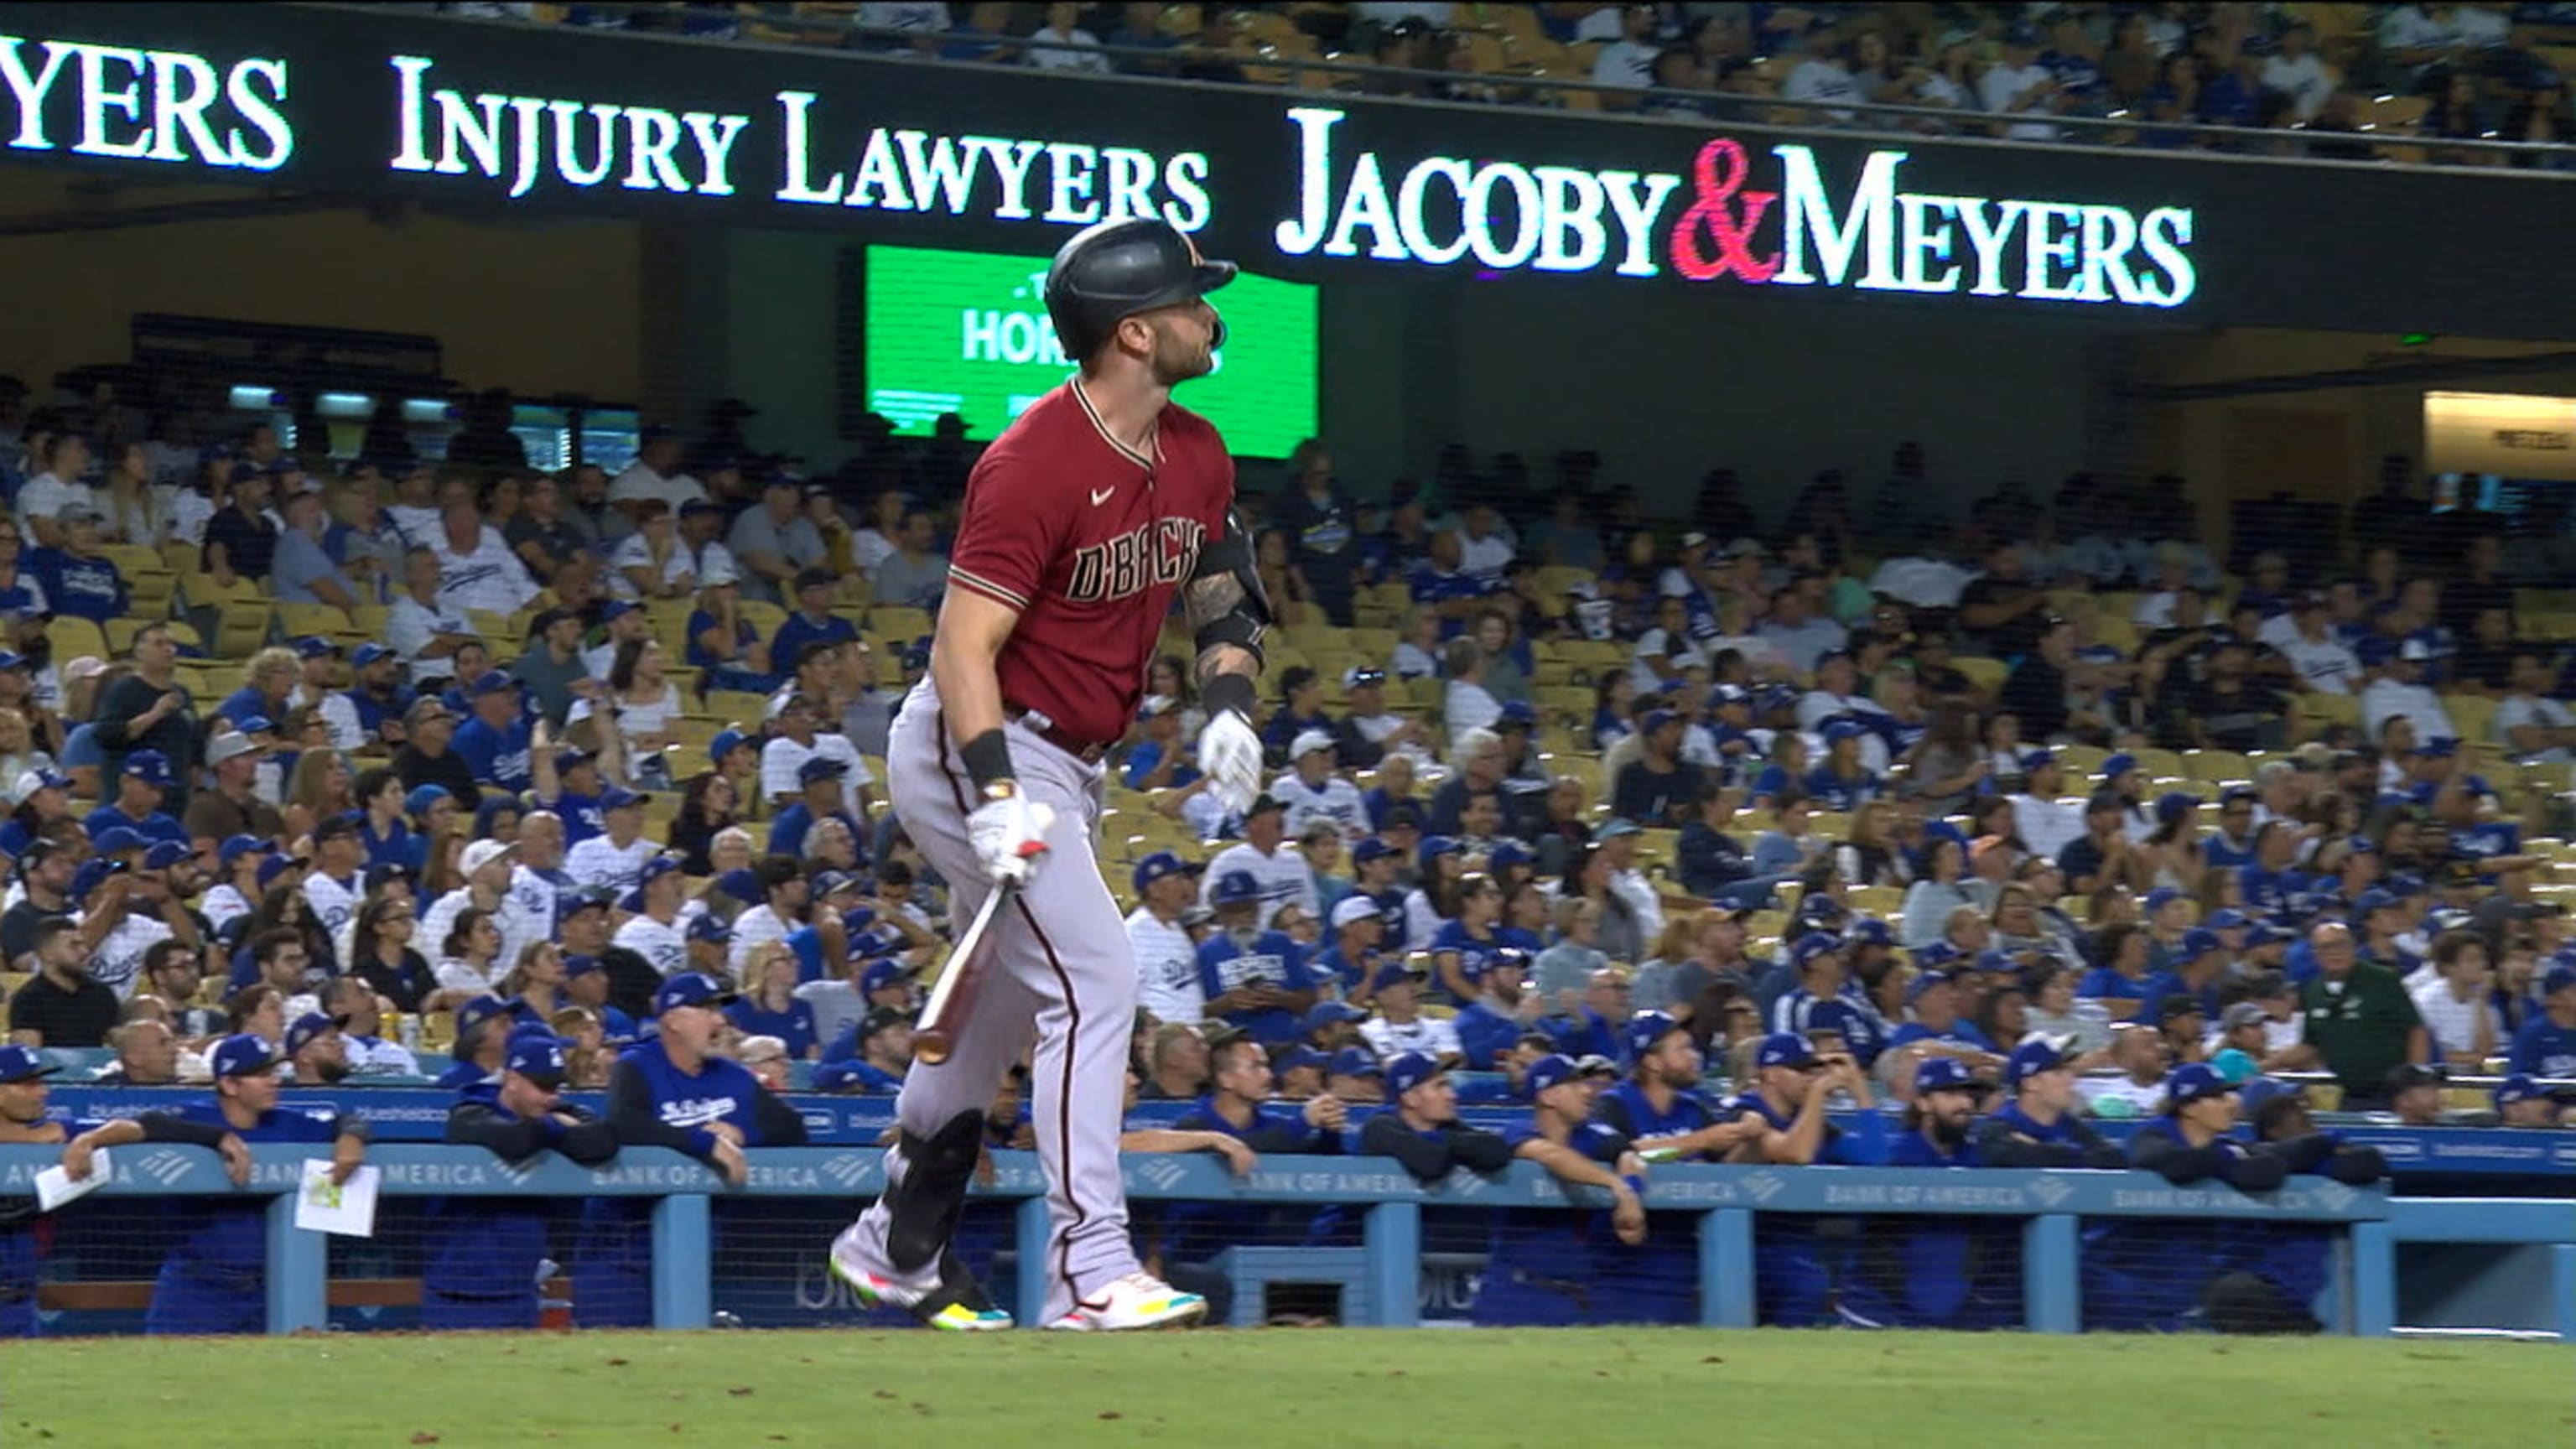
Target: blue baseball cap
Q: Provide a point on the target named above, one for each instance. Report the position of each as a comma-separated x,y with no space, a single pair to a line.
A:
1777,696
1517,712
2261,1090
241,1056
2161,897
165,854
92,874
1996,958
618,797
1234,888
1647,1029
1370,849
1656,719
237,846
23,1064
117,840
1943,1074
314,646
306,1030
1812,945
2174,805
1435,846
276,865
1784,1049
2194,1082
1843,727
2375,900
708,926
691,988
581,966
2517,1088
567,761
1354,1062
40,779
1158,865
478,1011
1298,1056
2037,760
615,607
1935,956
1868,931
656,868
1915,989
821,767
1722,695
2199,941
883,972
2114,766
2035,1055
492,681
1332,1013
587,898
368,653
540,1059
1557,1068
256,724
1394,973
150,766
2228,918
1408,1071
726,741
2558,978
1506,853
833,882
2439,747
424,796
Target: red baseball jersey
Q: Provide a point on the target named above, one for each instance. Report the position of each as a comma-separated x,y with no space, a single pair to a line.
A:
1089,540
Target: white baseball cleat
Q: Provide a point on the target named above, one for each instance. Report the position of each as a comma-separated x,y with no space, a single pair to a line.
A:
1138,1300
852,1265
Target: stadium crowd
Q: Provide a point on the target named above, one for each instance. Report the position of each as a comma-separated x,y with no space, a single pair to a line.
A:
2342,81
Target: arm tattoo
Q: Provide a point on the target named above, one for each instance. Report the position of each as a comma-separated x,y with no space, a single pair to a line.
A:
1206,600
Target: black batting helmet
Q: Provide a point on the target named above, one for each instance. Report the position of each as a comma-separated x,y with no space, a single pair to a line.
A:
1120,268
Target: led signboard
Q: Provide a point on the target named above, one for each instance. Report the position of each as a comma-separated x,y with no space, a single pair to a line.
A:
966,333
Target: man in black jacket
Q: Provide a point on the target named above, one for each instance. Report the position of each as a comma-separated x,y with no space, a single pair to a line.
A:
480,1270
1420,1128
2038,1127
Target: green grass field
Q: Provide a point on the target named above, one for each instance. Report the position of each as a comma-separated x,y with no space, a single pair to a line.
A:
1421,1390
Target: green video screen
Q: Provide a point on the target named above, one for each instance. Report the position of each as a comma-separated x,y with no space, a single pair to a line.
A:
967,333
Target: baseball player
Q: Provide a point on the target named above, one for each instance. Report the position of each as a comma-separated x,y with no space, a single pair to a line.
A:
1082,522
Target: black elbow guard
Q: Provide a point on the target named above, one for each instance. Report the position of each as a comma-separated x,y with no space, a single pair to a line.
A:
1242,625
2357,1166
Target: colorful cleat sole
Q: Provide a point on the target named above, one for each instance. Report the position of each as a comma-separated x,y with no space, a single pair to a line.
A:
878,1292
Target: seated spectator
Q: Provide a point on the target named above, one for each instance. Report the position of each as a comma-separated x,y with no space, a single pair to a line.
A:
77,578
1786,848
1466,704
1255,979
2535,727
916,574
1398,1025
62,1006
1658,789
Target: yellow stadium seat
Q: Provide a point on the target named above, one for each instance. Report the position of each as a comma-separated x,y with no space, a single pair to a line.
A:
737,707
183,559
241,628
903,623
299,620
153,590
1986,674
2473,715
2216,765
74,637
130,558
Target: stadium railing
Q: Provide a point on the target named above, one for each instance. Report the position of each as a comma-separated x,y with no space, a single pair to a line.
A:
2505,1265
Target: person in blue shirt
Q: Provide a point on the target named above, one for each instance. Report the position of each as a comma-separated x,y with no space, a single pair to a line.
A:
813,620
2039,1126
1932,1000
1469,947
1237,1104
772,1008
670,1091
479,1263
1658,1114
820,778
1256,980
381,828
2277,1270
214,1278
1934,1272
1840,782
2267,885
872,1056
1795,1269
137,806
494,740
78,580
2545,1045
2155,1275
1420,1128
2124,983
1539,1269
1824,1000
735,659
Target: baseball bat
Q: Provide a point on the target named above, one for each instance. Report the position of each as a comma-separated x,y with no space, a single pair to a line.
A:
952,996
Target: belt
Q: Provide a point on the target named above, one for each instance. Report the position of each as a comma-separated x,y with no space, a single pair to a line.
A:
1037,723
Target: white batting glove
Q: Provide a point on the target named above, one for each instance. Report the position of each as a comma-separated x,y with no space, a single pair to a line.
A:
1230,753
1010,836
